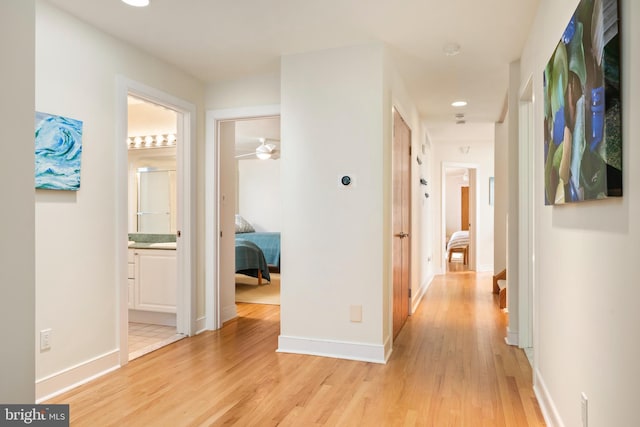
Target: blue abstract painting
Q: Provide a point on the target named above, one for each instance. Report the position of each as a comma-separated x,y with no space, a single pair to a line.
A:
58,150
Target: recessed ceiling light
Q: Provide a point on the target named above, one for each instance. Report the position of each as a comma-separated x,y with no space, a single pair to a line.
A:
137,3
451,49
459,103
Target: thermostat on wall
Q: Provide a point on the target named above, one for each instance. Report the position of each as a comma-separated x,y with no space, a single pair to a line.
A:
347,181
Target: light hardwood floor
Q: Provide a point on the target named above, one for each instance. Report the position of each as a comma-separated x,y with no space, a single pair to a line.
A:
450,367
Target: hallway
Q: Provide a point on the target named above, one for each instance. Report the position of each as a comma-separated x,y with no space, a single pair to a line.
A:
450,367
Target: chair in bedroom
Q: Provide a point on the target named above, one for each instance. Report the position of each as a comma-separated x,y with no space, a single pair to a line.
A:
500,288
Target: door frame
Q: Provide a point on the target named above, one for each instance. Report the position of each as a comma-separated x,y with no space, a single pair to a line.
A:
212,202
473,211
186,212
526,219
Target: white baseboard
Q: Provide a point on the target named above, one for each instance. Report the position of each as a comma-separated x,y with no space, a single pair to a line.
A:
337,349
511,338
548,408
72,377
415,300
201,325
229,312
485,267
153,317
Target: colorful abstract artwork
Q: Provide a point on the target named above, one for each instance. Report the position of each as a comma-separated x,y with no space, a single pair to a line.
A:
58,151
582,108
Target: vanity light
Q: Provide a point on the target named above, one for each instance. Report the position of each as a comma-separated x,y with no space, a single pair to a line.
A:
152,141
137,3
458,103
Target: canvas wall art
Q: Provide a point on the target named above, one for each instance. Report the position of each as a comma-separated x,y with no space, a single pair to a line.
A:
58,152
582,108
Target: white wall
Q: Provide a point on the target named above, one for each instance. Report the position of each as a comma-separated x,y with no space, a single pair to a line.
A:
332,242
76,283
512,203
500,198
587,287
353,90
447,150
259,193
17,253
244,92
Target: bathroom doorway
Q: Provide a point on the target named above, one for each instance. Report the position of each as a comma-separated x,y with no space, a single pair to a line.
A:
152,211
155,214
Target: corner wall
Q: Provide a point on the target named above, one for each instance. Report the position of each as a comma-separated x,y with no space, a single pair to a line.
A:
332,109
588,290
17,245
501,197
76,283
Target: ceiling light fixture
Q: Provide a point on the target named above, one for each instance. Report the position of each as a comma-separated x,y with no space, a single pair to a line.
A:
263,152
137,3
458,103
451,49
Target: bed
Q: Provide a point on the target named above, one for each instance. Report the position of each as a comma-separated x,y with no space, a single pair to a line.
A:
459,243
268,242
250,260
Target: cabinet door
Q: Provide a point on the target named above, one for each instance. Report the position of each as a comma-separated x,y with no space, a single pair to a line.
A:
155,280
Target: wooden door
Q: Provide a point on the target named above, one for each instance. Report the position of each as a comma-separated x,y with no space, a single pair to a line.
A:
401,214
464,208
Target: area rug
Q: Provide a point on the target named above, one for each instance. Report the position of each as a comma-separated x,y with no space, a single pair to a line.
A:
247,290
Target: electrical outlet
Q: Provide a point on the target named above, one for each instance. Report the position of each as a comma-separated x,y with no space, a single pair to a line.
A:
585,409
45,339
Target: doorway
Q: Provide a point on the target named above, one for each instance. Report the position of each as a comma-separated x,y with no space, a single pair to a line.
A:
458,217
401,221
152,252
219,222
257,200
155,212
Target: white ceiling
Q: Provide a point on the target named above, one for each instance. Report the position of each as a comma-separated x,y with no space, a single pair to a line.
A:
229,39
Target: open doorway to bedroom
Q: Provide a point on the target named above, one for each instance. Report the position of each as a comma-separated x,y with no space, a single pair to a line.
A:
249,209
458,213
258,211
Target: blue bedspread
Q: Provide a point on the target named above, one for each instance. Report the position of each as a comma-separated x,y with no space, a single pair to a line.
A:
269,242
250,259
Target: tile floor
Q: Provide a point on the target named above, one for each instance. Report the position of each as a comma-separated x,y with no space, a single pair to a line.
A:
146,337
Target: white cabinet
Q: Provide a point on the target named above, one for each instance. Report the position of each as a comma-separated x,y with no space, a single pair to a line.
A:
131,268
155,280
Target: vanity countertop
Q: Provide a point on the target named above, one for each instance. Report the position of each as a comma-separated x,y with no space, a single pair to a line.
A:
152,241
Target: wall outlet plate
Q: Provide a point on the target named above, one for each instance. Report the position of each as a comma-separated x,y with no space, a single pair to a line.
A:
45,339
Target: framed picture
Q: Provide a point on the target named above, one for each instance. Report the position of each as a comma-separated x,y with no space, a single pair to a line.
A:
582,108
58,145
